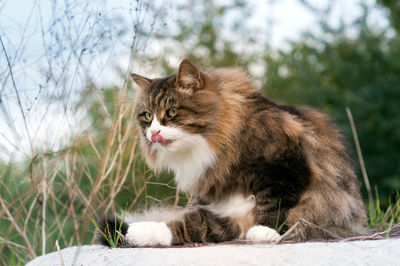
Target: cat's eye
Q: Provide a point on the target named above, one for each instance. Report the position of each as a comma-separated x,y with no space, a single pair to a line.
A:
148,116
171,112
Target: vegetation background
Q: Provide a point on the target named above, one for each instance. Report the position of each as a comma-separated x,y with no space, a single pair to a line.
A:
69,146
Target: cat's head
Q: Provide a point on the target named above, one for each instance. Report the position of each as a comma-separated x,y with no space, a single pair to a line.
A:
175,112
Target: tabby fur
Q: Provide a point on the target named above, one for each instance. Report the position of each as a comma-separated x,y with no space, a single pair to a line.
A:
253,165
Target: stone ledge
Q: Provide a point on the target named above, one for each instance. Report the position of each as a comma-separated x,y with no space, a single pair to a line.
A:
370,252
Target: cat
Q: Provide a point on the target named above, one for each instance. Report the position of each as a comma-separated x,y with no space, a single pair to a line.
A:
254,166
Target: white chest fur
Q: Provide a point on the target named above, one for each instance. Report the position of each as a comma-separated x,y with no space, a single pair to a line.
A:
188,164
236,205
188,156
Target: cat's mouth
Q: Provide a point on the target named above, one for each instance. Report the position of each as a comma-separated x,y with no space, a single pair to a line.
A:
157,138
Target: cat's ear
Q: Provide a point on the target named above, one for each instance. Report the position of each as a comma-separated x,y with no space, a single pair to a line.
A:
189,76
142,82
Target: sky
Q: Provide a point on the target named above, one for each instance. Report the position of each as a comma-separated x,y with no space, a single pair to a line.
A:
44,43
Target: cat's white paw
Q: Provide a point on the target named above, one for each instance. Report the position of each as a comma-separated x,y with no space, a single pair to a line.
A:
262,233
149,234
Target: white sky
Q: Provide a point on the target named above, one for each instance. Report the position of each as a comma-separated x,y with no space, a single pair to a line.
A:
51,124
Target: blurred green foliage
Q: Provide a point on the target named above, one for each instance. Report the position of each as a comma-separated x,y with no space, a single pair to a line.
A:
333,71
361,73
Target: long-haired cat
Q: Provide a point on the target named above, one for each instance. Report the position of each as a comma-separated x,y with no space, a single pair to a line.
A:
253,165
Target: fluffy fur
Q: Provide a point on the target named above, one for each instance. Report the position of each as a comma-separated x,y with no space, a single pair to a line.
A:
188,158
253,165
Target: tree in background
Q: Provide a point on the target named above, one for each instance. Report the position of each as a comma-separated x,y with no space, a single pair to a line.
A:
330,70
335,70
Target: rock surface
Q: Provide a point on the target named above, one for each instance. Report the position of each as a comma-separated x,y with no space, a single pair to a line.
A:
370,252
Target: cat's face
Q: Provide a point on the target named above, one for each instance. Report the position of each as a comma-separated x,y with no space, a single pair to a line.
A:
174,112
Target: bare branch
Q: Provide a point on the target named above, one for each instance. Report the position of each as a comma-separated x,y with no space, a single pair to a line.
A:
20,232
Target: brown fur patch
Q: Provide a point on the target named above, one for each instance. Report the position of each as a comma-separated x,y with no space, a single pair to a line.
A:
245,223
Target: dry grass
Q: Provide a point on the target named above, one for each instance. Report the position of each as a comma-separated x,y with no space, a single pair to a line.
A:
48,201
68,188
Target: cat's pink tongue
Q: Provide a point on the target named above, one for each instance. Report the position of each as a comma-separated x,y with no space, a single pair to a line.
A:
157,138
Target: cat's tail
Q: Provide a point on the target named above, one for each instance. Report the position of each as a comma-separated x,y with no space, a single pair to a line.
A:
111,231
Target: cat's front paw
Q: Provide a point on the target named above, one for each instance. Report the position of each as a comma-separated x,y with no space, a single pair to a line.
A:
262,233
149,234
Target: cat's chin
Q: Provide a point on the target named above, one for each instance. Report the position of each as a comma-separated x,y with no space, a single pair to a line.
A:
164,143
168,145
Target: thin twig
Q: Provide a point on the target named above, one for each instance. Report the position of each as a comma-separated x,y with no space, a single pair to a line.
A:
22,234
360,158
16,92
12,243
176,197
125,242
304,222
161,184
44,205
59,253
310,224
288,232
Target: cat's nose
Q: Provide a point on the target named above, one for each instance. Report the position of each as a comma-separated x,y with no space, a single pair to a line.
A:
155,131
